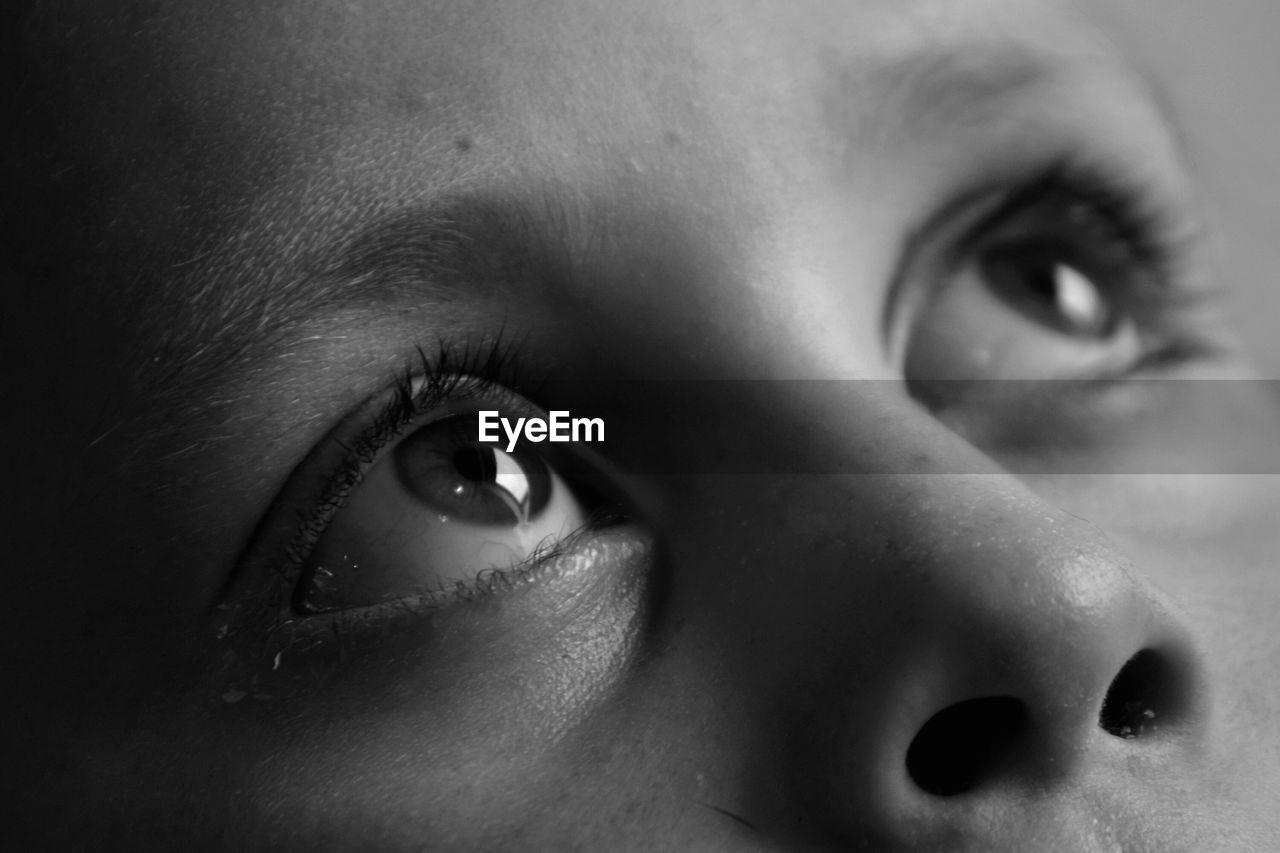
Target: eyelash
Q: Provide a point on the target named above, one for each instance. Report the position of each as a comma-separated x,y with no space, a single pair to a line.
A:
1155,232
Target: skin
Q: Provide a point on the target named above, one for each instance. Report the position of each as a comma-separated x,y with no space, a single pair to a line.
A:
209,299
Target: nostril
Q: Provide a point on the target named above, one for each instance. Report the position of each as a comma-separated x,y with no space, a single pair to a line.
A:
1147,693
964,744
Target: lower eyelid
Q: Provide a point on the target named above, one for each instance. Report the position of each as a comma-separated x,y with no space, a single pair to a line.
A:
609,567
577,617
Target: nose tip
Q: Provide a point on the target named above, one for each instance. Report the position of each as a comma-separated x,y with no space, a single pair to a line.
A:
1032,664
1040,664
1061,644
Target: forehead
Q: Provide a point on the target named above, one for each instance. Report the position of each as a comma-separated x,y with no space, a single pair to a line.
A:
258,95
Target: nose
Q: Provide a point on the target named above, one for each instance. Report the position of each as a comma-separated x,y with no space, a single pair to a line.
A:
1021,663
956,663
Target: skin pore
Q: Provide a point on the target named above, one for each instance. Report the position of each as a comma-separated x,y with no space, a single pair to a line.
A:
258,249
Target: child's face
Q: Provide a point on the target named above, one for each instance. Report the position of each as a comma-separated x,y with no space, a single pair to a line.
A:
822,606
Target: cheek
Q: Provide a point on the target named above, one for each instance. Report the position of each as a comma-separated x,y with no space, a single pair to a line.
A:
1213,547
429,726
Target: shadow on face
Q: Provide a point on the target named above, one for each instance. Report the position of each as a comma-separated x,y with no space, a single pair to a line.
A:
672,426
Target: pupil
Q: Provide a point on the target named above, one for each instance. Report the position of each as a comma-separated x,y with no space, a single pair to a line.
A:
475,463
1042,282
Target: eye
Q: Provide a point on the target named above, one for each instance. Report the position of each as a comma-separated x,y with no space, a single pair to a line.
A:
1061,283
438,512
1027,311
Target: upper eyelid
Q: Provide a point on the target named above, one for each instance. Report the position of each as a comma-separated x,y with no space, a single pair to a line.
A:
488,369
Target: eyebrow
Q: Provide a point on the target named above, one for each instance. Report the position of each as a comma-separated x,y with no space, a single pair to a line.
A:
947,85
967,83
428,250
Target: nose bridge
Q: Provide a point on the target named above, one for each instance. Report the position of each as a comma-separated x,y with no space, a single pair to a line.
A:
962,555
1002,560
985,562
979,572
